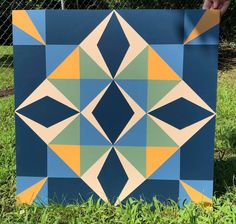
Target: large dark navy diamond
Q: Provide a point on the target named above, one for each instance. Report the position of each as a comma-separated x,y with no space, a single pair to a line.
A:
47,111
112,176
113,112
180,113
113,45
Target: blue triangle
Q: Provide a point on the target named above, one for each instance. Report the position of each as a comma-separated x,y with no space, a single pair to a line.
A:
203,186
136,89
191,18
42,197
55,54
209,38
170,170
57,167
89,134
22,38
183,196
22,183
136,136
89,89
38,19
172,54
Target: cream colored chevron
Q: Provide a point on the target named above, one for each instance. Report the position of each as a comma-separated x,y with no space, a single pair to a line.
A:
89,44
137,43
90,177
134,178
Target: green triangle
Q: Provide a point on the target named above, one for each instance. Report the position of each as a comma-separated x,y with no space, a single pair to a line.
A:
70,89
157,89
136,156
89,155
70,134
89,69
156,136
137,69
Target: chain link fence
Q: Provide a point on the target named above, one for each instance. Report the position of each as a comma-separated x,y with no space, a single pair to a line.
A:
228,29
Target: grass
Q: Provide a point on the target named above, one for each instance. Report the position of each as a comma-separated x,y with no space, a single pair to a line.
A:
224,208
6,67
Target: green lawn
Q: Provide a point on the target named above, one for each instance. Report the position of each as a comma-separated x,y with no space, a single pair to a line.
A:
224,209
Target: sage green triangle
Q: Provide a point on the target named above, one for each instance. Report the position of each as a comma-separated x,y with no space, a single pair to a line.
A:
70,134
136,156
70,89
157,89
89,69
137,69
89,155
156,136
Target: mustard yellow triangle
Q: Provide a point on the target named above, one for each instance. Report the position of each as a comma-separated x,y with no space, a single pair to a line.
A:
195,195
69,68
209,19
28,195
158,69
21,19
70,154
156,156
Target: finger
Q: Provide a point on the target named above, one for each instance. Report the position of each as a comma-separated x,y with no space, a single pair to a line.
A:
216,4
224,7
207,4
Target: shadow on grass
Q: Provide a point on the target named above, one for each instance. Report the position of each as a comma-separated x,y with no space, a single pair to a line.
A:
224,175
227,57
6,60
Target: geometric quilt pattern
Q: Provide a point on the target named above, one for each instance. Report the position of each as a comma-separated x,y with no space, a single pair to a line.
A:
115,104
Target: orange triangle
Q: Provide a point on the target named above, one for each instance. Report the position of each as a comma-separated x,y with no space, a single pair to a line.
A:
158,69
156,156
209,19
28,195
21,19
69,67
195,195
70,154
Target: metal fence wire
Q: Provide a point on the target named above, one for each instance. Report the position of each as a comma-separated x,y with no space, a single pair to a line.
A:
6,7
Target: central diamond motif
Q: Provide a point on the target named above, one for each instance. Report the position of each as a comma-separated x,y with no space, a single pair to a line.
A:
113,112
113,52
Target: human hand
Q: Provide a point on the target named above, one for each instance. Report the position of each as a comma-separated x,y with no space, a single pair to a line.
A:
222,5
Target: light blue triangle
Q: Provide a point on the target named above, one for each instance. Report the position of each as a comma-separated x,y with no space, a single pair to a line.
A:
170,170
22,38
38,19
203,186
42,196
89,135
89,89
183,196
136,136
22,182
57,167
55,54
137,90
172,54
